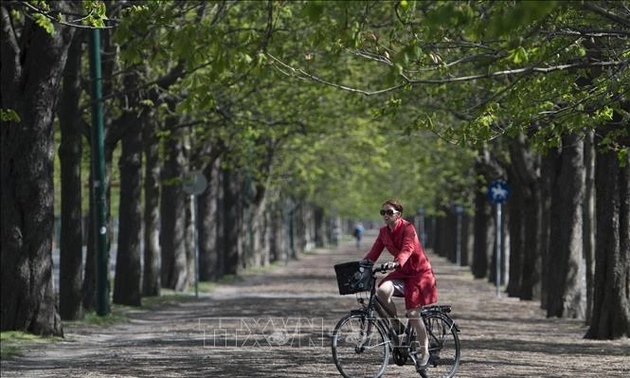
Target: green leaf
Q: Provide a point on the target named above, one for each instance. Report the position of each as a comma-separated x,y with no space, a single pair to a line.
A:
9,115
44,22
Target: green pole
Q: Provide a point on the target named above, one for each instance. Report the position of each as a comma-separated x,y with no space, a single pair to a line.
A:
99,212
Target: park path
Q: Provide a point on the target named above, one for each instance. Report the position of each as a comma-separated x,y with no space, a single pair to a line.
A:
277,323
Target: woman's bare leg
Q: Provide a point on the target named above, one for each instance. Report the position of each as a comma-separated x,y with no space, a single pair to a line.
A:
421,336
384,294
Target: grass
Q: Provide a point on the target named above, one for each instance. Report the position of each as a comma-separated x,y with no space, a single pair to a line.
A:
14,343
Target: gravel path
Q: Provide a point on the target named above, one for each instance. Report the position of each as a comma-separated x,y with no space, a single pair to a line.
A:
277,324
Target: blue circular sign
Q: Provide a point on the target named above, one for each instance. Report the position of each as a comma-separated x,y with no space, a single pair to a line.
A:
499,191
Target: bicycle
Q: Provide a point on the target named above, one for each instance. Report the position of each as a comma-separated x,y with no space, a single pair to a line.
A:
363,340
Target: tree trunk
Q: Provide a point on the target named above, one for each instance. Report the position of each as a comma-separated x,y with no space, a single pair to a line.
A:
277,240
173,218
88,288
589,221
566,292
231,223
127,280
525,210
320,229
611,294
151,268
547,182
516,228
532,257
260,237
32,68
70,150
484,226
207,204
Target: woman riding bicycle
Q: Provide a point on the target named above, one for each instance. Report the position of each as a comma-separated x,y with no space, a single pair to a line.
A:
413,276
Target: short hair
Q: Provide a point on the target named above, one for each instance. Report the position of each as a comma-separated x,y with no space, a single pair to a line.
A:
395,204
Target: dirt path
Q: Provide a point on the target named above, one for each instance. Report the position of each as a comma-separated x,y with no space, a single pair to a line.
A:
277,324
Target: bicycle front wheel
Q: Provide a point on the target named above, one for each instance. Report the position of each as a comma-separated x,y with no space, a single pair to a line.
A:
444,348
360,347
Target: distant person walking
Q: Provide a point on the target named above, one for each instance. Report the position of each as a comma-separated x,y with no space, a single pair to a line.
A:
358,234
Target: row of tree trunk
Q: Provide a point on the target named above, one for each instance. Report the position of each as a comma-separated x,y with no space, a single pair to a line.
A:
566,232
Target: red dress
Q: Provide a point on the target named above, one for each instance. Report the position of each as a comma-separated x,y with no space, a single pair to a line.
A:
414,266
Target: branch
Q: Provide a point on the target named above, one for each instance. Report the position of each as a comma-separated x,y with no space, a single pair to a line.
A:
10,48
301,74
606,13
322,81
58,21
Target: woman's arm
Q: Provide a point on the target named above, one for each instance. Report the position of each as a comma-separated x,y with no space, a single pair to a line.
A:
376,250
408,243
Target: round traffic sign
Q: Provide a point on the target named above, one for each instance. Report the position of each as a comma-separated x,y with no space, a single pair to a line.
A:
195,183
499,191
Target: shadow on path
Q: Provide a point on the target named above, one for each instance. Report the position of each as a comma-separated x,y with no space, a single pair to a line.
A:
278,323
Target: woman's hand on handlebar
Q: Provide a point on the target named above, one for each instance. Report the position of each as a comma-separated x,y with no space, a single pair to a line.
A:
390,265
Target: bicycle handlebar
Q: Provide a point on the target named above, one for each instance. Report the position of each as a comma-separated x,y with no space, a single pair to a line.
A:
382,268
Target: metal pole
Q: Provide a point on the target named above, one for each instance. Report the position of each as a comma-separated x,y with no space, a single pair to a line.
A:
499,248
458,247
98,177
193,220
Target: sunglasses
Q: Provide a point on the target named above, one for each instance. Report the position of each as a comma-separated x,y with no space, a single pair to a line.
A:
389,212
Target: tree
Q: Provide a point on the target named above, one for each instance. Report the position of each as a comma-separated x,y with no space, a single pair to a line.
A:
127,282
33,61
502,68
611,305
565,291
70,153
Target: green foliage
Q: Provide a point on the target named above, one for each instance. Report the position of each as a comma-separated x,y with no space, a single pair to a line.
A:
261,82
44,22
9,115
96,13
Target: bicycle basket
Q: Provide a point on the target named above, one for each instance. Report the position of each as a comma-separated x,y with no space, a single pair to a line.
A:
354,277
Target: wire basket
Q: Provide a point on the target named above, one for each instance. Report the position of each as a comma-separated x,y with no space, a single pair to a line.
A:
354,277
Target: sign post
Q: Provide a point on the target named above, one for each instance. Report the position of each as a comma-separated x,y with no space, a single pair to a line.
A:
498,192
193,186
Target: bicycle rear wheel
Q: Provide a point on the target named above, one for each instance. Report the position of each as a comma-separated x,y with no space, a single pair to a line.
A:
444,347
360,347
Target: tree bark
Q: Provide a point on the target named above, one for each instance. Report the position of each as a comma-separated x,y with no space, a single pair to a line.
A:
589,221
516,228
487,166
127,280
566,292
611,292
525,209
151,269
173,217
548,179
231,223
484,226
259,238
70,153
320,229
32,66
209,263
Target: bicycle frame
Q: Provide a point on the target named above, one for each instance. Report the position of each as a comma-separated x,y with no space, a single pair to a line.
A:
384,316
